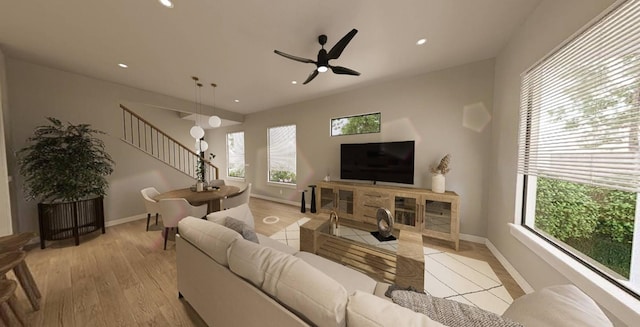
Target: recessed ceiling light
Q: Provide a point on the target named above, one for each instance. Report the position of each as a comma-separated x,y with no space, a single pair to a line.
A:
421,42
294,82
236,100
123,65
166,3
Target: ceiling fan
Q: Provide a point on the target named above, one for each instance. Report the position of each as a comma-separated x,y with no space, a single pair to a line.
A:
322,64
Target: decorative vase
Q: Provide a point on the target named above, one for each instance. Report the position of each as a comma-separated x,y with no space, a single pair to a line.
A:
199,186
437,183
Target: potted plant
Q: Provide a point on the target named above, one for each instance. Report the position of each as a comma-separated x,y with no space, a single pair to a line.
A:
65,167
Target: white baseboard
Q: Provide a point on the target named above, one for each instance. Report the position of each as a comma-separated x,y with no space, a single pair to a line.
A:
473,238
510,269
268,198
114,222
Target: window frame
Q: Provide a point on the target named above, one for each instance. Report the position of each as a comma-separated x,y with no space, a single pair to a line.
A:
550,250
285,184
244,162
352,116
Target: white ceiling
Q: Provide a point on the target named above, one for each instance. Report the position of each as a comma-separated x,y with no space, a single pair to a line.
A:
231,42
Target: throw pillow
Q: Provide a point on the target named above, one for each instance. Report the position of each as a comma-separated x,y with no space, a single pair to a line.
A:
449,312
242,228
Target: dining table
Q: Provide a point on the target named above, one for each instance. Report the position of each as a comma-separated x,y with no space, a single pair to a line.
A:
210,197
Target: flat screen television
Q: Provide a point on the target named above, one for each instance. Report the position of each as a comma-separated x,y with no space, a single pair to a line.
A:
378,162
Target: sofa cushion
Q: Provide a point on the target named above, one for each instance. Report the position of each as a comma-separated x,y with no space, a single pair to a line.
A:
368,310
241,212
449,312
256,263
294,283
275,244
211,238
352,280
561,305
308,291
242,228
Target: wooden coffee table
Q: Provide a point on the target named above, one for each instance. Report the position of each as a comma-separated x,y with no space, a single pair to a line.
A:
404,267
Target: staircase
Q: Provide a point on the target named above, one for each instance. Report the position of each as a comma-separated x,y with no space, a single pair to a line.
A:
149,139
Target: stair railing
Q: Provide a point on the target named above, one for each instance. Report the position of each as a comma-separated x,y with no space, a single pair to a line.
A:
151,140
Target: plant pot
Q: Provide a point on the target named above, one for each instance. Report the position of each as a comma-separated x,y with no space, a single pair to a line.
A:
63,220
437,183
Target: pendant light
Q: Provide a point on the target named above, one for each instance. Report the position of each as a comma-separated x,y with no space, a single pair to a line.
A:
214,120
201,145
196,131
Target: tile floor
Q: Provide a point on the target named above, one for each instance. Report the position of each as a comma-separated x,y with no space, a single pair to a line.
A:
447,275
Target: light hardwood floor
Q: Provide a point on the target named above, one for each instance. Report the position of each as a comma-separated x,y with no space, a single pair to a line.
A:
124,278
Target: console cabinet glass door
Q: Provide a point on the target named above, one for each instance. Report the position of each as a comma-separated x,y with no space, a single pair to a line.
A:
405,211
338,198
345,202
327,199
437,216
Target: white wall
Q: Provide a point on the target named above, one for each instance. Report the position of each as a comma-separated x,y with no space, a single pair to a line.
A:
6,227
37,92
550,24
426,108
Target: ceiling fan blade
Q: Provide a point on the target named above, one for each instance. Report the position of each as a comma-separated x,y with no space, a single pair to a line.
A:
286,55
311,76
337,49
343,70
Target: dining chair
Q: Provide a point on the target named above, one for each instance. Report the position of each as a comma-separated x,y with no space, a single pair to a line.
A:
217,182
173,210
152,205
236,200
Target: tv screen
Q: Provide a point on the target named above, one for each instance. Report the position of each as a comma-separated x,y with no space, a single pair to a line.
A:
378,162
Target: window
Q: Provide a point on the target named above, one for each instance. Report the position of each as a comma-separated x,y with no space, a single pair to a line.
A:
579,154
360,124
282,154
235,154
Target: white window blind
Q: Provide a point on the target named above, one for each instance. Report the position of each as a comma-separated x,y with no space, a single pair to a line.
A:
580,107
235,154
282,154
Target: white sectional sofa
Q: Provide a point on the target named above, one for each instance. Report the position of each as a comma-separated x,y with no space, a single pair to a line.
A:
231,281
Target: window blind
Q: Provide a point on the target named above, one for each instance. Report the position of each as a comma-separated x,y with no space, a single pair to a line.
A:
580,106
235,154
282,148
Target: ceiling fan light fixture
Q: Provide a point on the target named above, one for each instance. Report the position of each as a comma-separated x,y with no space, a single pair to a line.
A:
322,64
166,3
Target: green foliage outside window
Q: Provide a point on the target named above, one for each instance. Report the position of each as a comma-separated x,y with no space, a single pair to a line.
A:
282,176
363,124
237,172
594,220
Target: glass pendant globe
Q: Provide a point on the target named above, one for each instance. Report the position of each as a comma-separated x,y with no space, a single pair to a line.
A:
215,121
197,132
201,145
